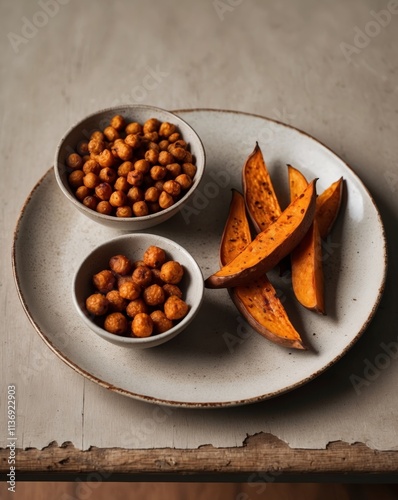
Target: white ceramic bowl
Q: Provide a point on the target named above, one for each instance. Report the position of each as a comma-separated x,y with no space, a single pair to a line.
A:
134,246
98,121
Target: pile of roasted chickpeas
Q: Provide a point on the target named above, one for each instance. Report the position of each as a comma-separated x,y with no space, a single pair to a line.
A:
131,170
138,299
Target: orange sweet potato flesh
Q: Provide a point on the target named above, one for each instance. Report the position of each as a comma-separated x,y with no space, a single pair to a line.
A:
269,246
236,235
328,207
258,302
261,201
306,258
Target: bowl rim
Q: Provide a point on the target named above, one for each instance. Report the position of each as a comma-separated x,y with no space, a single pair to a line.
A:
144,218
131,341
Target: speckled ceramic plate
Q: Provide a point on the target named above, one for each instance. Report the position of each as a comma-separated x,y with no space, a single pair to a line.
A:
218,360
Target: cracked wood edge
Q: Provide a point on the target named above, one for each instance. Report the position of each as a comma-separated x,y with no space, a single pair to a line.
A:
258,453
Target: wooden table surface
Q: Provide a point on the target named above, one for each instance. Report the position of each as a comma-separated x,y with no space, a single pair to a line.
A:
327,68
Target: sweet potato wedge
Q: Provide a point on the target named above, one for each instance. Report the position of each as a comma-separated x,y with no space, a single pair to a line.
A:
306,258
261,201
328,207
258,302
271,245
236,235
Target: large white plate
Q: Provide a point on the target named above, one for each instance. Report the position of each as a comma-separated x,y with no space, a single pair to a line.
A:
219,360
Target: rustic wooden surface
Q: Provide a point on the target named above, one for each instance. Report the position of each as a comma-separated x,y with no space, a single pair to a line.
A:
284,60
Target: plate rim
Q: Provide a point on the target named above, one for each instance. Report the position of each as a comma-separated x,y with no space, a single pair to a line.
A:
199,404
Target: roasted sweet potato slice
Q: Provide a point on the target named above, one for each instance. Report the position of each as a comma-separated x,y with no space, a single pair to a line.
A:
261,201
236,235
306,258
328,207
271,245
258,302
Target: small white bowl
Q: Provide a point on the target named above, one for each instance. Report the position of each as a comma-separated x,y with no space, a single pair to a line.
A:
134,246
98,121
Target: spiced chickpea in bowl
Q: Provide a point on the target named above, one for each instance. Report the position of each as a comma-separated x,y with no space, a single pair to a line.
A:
130,167
120,294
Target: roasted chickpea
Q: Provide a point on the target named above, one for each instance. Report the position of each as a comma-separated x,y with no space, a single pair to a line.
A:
153,295
133,128
91,180
135,307
75,178
158,173
124,211
82,148
104,281
86,158
82,192
142,275
152,156
163,145
118,199
184,181
188,157
124,151
165,158
180,143
174,169
116,323
142,166
116,302
154,256
175,308
142,325
165,200
111,133
74,161
151,137
124,168
159,185
97,304
106,158
97,135
129,290
121,184
152,194
135,178
120,264
103,191
172,187
90,202
151,125
166,129
135,194
172,272
122,279
178,153
133,140
154,146
107,175
96,146
91,166
138,263
104,207
140,208
189,169
170,289
160,322
118,122
174,137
